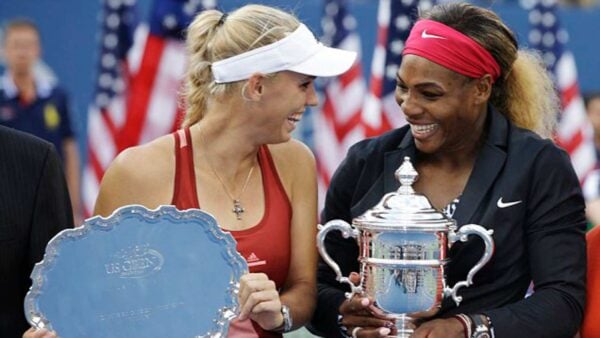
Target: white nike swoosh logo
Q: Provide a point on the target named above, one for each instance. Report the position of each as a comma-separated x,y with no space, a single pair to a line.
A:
503,205
424,35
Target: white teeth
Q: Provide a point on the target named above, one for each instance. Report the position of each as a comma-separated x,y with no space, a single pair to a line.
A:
423,128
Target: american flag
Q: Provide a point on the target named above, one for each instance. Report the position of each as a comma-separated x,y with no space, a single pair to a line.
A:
394,20
574,132
349,112
337,123
141,65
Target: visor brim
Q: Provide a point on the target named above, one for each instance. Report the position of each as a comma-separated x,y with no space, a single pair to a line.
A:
326,62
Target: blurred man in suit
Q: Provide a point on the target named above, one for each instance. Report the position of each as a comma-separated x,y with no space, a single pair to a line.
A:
34,206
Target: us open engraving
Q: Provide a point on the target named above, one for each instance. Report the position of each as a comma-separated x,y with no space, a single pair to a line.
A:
139,261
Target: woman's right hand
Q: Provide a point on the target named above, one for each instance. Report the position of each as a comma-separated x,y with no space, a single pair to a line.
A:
361,318
259,301
41,333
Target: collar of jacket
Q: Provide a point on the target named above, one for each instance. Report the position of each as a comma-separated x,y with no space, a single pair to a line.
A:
488,164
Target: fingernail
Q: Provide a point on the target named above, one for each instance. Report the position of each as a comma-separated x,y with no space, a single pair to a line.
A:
364,302
384,331
389,325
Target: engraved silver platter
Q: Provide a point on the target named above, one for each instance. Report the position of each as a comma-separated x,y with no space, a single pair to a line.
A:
138,273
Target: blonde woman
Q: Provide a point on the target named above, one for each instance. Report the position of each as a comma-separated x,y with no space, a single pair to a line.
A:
250,77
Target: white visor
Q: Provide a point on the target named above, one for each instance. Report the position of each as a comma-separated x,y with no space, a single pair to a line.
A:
298,52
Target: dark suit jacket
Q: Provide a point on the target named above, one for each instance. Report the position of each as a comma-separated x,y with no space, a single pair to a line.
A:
34,206
540,239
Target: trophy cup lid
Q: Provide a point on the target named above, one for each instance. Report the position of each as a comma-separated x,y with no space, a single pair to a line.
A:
404,209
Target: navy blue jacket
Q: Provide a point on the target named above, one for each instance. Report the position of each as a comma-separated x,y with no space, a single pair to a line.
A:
47,117
541,239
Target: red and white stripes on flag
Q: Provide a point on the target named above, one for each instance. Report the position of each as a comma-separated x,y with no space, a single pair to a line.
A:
380,108
349,112
394,21
337,123
140,71
574,132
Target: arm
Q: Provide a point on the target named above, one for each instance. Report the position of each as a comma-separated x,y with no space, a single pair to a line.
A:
70,153
555,239
72,166
299,293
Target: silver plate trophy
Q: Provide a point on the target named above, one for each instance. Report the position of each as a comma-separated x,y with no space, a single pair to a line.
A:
138,273
403,244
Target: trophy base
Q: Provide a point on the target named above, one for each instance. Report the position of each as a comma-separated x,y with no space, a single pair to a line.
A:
404,327
401,335
405,322
406,333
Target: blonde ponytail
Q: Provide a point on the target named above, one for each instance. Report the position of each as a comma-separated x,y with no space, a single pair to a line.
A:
529,97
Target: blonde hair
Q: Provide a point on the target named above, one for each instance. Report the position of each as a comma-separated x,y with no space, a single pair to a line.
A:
524,92
212,37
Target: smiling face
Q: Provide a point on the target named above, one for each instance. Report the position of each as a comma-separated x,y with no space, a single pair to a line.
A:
284,100
445,110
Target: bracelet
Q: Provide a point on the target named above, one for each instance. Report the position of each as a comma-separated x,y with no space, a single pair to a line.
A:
479,328
287,324
489,320
466,323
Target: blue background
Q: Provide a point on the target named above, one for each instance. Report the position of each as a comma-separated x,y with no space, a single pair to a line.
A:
70,31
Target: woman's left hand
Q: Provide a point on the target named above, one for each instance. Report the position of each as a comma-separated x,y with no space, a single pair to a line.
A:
440,328
259,301
41,333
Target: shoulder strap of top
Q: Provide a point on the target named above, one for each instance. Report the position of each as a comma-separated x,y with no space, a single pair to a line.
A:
185,195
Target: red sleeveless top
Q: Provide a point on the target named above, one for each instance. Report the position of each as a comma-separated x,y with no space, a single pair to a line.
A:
266,245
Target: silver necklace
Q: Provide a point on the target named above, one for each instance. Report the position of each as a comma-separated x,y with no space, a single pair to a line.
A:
238,209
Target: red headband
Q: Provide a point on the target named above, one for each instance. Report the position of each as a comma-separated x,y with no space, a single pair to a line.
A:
451,49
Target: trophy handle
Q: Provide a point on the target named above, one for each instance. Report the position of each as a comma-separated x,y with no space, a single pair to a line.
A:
347,231
462,234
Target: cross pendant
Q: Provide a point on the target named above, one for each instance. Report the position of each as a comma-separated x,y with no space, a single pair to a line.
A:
237,209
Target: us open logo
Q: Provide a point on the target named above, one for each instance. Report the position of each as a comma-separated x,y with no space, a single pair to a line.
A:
139,261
